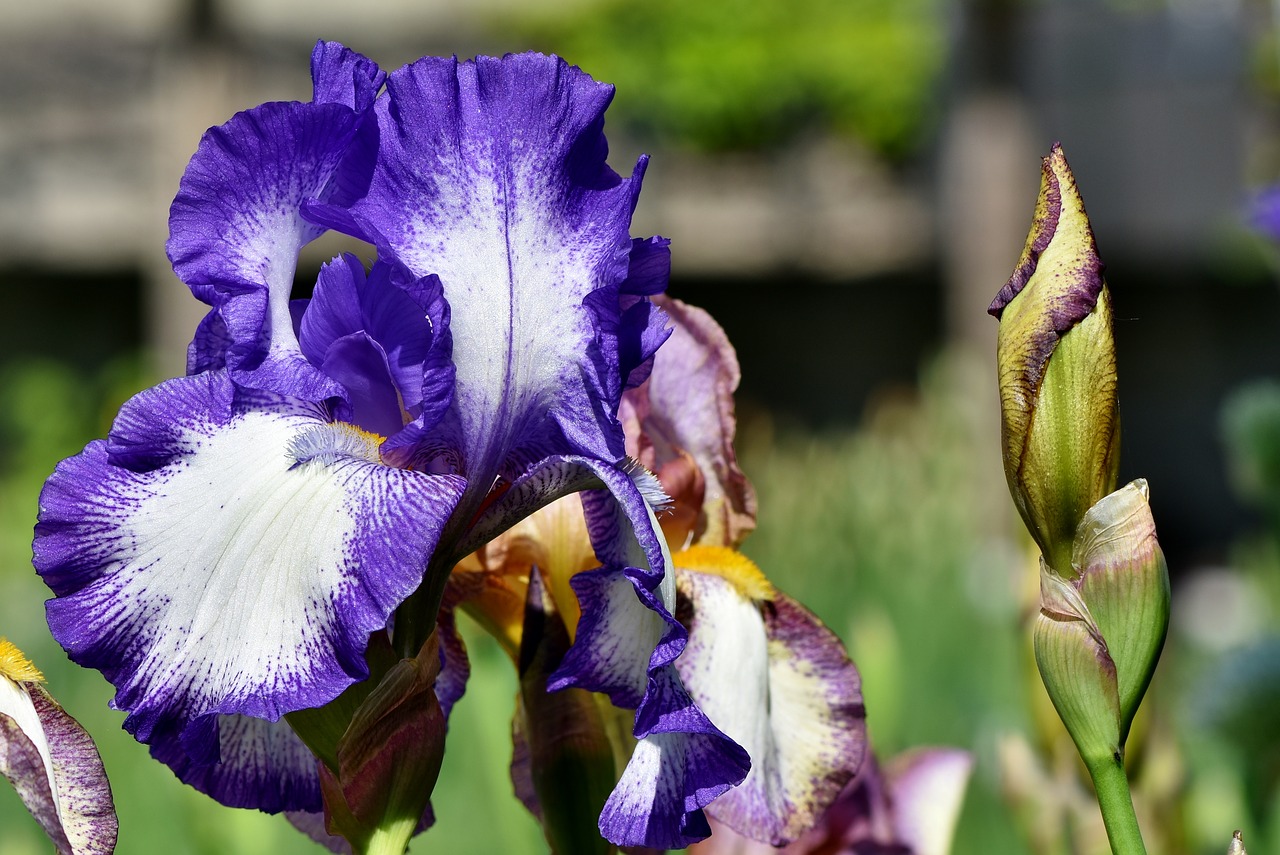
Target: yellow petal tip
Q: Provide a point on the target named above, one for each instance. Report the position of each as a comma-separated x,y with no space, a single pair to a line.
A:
16,666
730,565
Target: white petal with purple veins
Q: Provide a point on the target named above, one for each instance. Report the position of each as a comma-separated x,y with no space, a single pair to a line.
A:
493,177
780,685
239,564
53,764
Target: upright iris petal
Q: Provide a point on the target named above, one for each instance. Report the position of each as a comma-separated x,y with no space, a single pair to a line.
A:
492,176
236,225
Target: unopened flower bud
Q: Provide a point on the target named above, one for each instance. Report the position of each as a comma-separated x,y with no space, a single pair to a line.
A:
389,757
1099,634
1057,371
1078,671
1123,577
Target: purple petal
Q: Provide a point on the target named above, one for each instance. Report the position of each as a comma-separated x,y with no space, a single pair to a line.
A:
670,777
54,765
493,177
258,764
649,267
342,76
235,230
780,684
627,641
386,344
313,825
687,406
197,502
642,329
455,666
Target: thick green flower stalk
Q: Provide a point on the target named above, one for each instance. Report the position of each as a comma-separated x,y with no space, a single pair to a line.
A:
1104,585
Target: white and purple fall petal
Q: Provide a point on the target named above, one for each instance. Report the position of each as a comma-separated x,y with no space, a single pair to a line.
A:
776,680
228,553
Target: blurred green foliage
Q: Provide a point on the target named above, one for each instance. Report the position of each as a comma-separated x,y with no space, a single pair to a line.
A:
722,75
1251,431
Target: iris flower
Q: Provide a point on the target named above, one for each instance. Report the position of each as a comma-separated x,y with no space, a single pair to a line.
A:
225,555
760,665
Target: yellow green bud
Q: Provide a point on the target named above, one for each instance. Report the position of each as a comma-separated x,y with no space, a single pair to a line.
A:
1060,425
1123,577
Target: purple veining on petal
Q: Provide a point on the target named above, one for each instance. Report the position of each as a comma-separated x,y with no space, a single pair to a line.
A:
201,507
22,763
683,761
627,640
252,763
1069,301
672,775
55,768
235,227
492,176
342,76
687,407
771,676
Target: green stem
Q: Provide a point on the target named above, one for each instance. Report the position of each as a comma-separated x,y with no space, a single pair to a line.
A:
1112,787
390,839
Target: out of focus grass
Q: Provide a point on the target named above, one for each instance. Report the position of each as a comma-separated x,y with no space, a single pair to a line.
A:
892,533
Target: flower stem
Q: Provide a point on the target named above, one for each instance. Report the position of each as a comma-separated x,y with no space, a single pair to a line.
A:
390,839
1112,788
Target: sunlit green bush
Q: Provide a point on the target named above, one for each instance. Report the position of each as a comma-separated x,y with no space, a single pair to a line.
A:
738,74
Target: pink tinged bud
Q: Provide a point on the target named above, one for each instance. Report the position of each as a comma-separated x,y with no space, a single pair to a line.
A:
1057,370
1078,671
1099,634
1125,580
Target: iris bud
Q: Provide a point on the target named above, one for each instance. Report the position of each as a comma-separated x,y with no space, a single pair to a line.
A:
1060,425
1099,634
388,758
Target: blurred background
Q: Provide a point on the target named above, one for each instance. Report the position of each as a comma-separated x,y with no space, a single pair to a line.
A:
847,184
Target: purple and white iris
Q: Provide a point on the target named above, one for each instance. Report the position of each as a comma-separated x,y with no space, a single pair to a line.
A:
224,555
